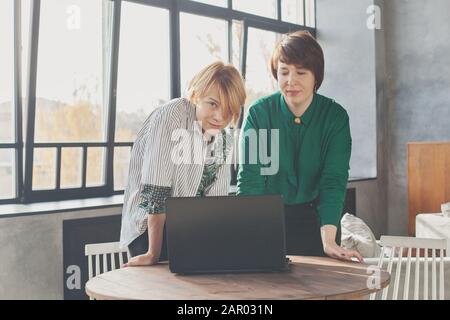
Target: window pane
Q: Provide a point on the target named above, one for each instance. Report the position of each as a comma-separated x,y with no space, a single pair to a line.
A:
310,13
219,3
44,168
203,41
292,11
72,68
144,67
237,43
7,174
94,171
259,80
71,167
121,164
25,26
6,71
267,8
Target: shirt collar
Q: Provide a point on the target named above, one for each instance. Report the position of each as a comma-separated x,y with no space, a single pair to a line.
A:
192,123
305,118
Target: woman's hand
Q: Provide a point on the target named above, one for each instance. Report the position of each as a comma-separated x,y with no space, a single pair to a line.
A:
331,249
334,251
155,229
146,259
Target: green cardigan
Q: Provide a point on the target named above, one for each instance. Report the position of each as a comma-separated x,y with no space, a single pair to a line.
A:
313,157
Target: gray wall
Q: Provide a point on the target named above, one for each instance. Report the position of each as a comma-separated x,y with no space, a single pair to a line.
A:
349,48
354,77
411,60
31,251
418,63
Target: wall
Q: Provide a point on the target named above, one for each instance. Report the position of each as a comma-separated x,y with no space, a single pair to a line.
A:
354,77
411,60
349,48
31,265
418,63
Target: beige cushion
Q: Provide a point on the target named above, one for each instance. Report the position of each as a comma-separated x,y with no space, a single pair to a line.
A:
356,235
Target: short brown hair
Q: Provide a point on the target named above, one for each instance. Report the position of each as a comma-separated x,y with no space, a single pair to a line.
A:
301,49
229,83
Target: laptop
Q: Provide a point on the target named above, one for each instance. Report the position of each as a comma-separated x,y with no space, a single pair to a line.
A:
226,234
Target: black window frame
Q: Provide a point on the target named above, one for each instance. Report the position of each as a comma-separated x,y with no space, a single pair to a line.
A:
17,144
24,192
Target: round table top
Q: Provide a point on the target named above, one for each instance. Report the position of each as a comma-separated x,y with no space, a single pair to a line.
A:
308,278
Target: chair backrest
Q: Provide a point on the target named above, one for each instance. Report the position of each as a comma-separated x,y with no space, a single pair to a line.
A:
106,250
406,251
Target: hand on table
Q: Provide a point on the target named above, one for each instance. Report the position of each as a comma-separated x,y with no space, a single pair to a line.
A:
146,259
334,251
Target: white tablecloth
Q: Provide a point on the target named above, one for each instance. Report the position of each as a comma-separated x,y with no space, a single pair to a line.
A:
435,226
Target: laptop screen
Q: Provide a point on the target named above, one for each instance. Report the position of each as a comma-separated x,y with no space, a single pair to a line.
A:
225,234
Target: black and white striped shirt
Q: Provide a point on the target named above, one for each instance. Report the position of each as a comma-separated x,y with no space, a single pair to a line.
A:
168,159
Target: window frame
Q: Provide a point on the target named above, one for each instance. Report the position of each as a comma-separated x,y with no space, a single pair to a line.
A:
24,192
17,144
28,194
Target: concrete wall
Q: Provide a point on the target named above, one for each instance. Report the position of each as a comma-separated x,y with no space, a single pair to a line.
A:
410,86
349,48
354,77
418,63
31,264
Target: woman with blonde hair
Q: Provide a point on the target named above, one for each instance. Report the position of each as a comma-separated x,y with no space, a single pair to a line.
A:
214,98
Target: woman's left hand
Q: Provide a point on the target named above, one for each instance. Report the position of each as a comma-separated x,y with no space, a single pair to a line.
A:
334,251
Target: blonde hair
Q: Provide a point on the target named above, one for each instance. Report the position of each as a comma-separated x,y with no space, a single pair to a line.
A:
228,81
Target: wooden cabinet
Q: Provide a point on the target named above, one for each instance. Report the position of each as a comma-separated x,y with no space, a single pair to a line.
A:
428,179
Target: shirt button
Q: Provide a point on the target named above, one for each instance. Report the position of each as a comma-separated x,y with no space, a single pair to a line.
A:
298,121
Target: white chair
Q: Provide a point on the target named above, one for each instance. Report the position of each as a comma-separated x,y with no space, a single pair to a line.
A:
94,251
393,249
107,249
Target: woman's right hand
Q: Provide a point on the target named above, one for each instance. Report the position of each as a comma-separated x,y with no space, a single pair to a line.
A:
155,229
146,259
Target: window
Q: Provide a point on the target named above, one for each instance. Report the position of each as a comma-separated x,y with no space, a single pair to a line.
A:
71,93
293,11
71,162
144,68
70,74
7,154
95,167
202,38
7,72
95,77
121,165
25,41
44,169
143,77
220,3
7,176
237,34
258,77
310,10
299,12
266,8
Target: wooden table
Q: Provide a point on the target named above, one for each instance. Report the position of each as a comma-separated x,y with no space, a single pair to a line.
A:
308,278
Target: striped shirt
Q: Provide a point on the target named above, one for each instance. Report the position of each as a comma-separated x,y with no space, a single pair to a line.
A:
168,159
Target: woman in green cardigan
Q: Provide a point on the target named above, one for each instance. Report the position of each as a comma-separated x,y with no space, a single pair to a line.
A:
297,143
